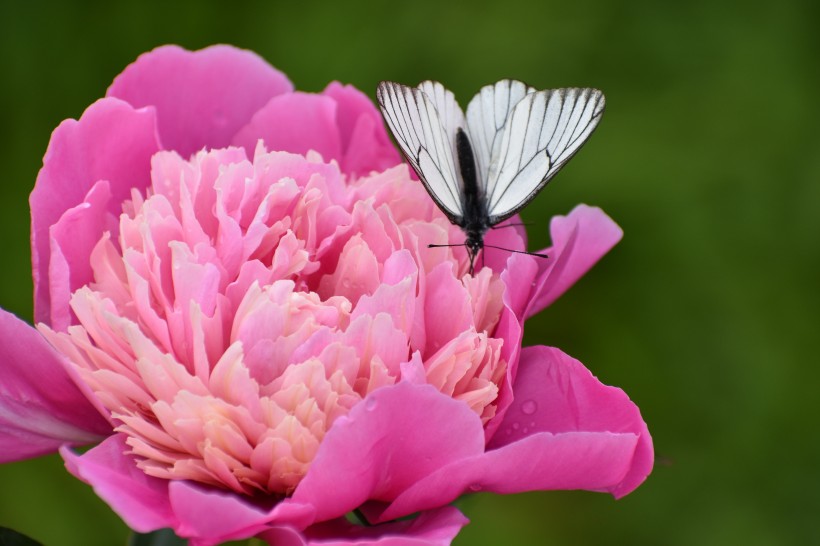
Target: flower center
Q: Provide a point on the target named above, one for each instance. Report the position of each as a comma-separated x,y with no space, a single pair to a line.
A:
245,305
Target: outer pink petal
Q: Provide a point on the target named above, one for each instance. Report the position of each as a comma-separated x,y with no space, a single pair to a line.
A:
40,406
214,516
366,146
112,142
206,516
556,393
390,440
202,97
296,123
542,461
433,528
565,430
140,500
579,240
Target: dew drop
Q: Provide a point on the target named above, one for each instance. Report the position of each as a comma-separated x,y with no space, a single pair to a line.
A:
475,487
529,407
515,426
370,403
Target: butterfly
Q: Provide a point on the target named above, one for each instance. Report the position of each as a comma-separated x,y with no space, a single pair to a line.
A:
483,167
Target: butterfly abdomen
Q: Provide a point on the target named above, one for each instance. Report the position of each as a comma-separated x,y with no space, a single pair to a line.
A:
472,199
474,222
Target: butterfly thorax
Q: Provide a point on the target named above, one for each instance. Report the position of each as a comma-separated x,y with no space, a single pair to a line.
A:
475,221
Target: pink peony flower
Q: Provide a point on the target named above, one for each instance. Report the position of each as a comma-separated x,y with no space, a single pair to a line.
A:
235,298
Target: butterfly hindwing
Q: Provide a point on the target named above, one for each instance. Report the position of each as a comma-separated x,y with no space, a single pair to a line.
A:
542,131
424,121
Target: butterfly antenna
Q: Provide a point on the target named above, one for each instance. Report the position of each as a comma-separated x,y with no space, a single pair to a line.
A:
517,251
512,225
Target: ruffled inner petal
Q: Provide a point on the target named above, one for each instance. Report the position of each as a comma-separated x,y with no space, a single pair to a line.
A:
242,306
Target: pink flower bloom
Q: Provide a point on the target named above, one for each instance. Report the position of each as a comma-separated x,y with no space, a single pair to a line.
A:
235,298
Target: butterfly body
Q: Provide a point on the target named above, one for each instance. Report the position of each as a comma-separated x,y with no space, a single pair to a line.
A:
474,222
482,167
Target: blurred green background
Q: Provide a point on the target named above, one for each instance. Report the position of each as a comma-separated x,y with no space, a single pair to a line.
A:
708,156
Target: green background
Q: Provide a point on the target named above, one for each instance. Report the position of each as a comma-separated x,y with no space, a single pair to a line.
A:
708,156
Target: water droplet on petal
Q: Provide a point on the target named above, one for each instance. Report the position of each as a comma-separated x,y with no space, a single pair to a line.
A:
529,407
515,426
370,403
475,487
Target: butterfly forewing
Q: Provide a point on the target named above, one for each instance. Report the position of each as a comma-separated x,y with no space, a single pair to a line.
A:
542,131
486,116
424,121
583,121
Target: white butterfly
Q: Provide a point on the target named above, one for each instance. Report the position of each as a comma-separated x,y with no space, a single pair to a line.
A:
483,168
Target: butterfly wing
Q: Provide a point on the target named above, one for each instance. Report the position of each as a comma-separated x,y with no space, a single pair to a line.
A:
542,132
487,115
424,121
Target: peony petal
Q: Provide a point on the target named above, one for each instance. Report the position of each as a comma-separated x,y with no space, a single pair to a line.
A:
73,238
579,240
390,440
519,276
366,147
202,97
542,461
565,430
214,516
140,500
296,123
40,406
433,528
558,394
447,311
510,235
111,141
